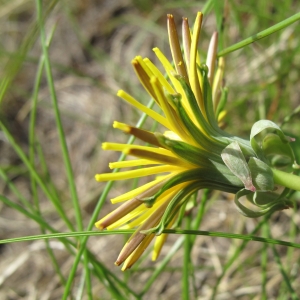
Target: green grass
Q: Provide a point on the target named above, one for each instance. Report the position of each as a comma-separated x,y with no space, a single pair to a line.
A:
47,186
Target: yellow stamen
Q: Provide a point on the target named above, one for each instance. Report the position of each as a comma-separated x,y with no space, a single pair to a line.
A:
151,113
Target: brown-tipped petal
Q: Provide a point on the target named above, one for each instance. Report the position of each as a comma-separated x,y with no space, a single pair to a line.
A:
144,135
129,247
211,57
131,260
138,237
118,213
160,158
144,78
186,40
175,49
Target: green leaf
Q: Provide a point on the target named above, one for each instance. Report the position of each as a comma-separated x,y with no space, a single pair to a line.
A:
271,145
262,175
234,159
280,154
267,199
258,199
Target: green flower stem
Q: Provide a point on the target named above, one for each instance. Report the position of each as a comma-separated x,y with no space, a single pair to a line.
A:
283,272
62,139
32,143
186,263
288,180
264,262
193,232
260,35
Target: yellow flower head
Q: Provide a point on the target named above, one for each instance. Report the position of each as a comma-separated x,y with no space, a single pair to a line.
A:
193,153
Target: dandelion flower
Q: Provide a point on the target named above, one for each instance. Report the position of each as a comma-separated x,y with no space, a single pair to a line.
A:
193,153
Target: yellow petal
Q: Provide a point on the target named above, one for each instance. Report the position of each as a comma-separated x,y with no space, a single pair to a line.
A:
113,217
136,173
159,158
161,202
123,147
218,82
176,49
151,113
194,80
128,217
143,135
186,41
171,115
141,189
211,57
136,254
144,74
169,69
131,163
163,81
160,240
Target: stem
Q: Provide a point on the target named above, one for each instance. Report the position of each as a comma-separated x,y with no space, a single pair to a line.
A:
186,263
260,35
288,180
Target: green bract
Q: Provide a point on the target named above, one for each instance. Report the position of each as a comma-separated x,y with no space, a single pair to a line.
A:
272,149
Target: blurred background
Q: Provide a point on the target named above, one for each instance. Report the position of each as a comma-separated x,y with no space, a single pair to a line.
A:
91,50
